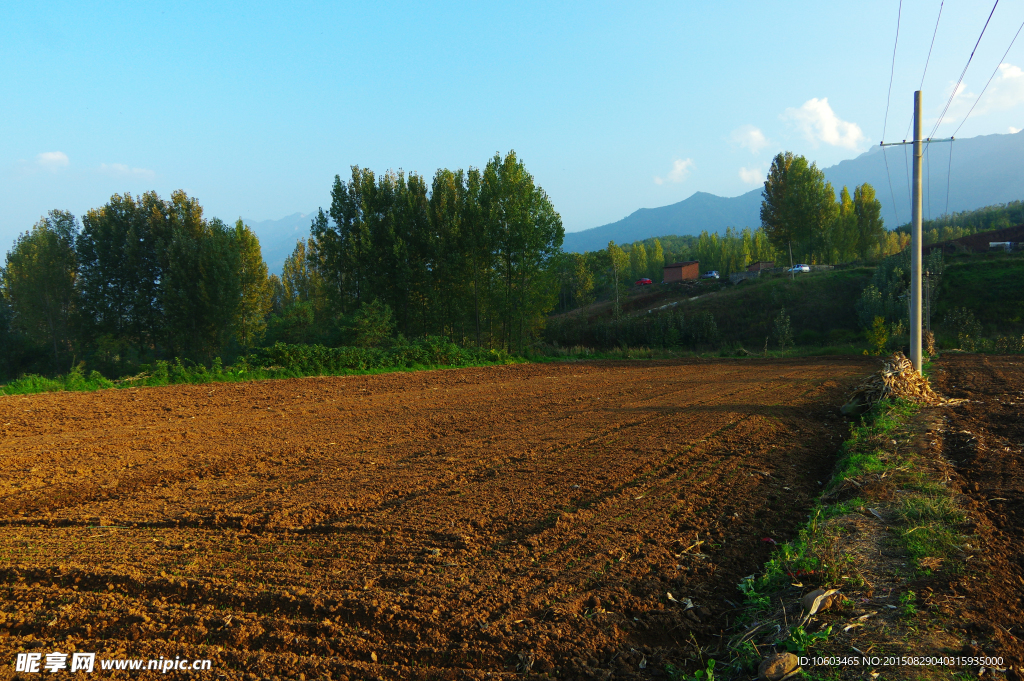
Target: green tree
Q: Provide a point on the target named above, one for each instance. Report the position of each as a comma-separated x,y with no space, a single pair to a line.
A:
373,323
844,233
638,260
447,254
657,261
526,233
761,249
200,290
782,331
277,294
888,293
255,288
122,259
12,342
582,281
797,207
870,226
619,265
299,276
39,282
479,250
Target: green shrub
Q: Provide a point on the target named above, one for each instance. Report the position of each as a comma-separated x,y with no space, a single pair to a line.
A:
281,360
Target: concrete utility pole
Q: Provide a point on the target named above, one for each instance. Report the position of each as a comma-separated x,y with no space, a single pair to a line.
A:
915,233
915,243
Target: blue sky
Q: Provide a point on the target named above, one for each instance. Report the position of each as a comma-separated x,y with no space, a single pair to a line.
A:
254,107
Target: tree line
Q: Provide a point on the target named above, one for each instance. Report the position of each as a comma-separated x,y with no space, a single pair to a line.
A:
472,255
469,257
802,220
142,278
137,279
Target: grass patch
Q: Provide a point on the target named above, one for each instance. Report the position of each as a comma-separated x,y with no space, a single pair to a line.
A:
990,286
876,472
278,361
544,352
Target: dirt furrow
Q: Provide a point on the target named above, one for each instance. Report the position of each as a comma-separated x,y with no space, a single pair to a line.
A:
505,519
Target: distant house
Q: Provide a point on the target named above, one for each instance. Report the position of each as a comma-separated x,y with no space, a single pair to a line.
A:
681,271
1003,245
762,265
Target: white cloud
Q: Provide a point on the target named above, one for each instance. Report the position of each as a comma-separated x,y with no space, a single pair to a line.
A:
680,171
52,160
750,137
121,170
1005,92
820,124
752,175
1013,130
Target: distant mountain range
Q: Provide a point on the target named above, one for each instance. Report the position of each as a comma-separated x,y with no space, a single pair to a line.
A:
700,212
278,237
985,170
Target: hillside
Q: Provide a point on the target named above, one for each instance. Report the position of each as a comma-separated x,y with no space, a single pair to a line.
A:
979,243
990,286
821,307
702,211
985,170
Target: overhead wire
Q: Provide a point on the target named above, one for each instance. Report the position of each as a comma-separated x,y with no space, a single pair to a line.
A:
949,171
956,88
935,32
910,193
892,71
996,70
928,167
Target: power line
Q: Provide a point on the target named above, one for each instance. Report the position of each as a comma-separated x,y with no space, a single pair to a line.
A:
948,171
926,62
962,73
892,69
934,33
928,161
906,165
891,192
989,81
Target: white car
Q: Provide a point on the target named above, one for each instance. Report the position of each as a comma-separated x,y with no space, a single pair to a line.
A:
710,274
799,268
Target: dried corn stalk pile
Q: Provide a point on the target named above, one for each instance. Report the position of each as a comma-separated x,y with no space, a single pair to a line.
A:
897,378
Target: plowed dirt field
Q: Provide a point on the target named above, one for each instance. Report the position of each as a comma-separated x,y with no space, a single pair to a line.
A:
985,442
446,524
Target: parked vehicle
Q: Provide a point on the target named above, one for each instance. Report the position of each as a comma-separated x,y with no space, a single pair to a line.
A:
643,282
710,274
799,268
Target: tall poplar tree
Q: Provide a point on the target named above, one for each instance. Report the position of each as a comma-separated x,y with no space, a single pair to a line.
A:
122,260
797,206
870,226
39,282
638,260
254,287
527,232
200,288
656,261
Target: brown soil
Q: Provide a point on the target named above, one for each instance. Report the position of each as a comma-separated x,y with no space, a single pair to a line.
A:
446,524
984,439
979,242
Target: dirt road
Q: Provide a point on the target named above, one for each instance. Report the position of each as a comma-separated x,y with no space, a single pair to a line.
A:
418,525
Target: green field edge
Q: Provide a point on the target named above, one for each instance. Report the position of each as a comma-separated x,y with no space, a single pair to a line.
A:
927,524
78,381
